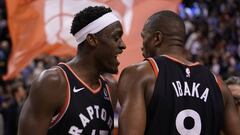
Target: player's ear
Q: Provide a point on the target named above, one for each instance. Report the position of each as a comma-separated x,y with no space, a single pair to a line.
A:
92,40
158,36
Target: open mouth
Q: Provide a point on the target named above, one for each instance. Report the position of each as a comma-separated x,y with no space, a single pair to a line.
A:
116,59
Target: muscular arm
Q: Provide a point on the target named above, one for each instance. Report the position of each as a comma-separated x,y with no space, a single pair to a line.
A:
133,83
231,118
46,96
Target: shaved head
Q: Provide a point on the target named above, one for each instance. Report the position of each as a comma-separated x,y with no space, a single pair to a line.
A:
168,23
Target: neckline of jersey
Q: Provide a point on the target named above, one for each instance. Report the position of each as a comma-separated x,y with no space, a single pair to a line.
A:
178,61
85,84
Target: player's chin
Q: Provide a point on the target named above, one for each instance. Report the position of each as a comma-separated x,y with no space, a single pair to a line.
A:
113,70
114,66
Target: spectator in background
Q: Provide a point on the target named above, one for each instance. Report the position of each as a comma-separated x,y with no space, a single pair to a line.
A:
15,105
1,115
214,34
4,53
234,86
1,124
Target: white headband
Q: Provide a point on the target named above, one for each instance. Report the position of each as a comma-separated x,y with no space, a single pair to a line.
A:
95,26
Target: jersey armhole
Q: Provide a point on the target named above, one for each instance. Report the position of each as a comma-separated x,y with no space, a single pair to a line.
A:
107,87
58,117
154,65
218,80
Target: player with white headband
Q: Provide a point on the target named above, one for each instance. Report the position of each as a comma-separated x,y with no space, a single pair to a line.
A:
95,26
73,98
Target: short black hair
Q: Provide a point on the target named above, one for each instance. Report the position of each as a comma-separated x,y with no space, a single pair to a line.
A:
168,23
86,16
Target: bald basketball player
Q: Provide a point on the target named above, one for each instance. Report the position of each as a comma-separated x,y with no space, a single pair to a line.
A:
168,95
73,98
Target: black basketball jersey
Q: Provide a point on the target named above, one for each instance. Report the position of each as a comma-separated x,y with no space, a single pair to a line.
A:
186,100
86,111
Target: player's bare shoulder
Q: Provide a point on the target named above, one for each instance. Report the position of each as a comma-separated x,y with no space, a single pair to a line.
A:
137,78
50,85
50,78
140,74
140,71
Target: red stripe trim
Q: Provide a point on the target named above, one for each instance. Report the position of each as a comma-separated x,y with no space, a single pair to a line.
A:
176,60
103,78
218,80
108,89
66,102
94,91
154,66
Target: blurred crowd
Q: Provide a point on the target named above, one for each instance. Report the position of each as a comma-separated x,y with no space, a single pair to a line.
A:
213,38
14,92
7,101
213,34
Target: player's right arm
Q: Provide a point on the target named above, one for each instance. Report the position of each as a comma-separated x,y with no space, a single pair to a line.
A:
231,118
46,97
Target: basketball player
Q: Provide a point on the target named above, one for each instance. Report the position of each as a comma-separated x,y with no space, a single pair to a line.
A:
169,95
233,84
73,98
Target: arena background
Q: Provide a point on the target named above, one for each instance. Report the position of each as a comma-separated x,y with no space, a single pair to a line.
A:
34,35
